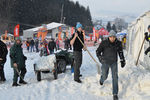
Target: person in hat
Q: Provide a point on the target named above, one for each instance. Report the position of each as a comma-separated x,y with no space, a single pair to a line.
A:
107,53
44,49
3,54
147,37
18,62
37,45
77,51
51,46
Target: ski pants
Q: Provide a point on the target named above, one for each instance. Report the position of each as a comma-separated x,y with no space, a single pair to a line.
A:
23,72
77,64
28,48
32,48
2,75
37,48
51,51
147,50
114,71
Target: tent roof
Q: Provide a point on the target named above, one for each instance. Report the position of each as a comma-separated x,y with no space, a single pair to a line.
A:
49,26
138,18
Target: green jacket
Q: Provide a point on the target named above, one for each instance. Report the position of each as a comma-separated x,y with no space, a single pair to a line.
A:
17,56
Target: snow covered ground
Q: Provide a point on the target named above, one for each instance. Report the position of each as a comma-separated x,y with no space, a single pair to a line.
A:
134,83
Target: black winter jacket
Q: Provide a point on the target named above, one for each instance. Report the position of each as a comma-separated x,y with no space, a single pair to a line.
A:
3,52
51,45
77,46
108,51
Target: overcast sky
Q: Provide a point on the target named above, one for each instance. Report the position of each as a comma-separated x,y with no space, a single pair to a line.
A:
116,7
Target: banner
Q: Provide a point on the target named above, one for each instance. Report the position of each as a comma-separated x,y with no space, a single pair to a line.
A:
42,32
16,31
59,36
72,30
94,33
6,34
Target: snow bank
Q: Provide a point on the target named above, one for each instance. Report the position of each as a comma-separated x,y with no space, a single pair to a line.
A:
136,37
134,83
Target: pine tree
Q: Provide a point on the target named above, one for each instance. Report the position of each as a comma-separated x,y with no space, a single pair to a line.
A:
36,12
108,27
114,28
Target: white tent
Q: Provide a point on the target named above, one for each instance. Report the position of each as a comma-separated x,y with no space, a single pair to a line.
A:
135,39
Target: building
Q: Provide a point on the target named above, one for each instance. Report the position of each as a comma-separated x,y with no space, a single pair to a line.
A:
54,30
8,39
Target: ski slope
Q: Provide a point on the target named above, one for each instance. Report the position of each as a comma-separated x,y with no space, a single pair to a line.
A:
134,83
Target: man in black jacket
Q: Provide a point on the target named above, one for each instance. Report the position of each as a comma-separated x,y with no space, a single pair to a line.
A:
3,54
107,54
77,51
147,37
32,43
51,46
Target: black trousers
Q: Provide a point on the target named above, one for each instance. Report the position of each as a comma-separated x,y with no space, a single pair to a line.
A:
2,75
77,64
23,72
147,50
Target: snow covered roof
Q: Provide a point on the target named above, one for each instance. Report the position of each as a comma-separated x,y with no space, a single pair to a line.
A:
8,34
49,26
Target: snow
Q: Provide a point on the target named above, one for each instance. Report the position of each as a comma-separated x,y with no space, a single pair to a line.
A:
45,63
134,83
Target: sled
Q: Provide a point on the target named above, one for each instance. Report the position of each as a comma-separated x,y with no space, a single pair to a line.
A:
46,64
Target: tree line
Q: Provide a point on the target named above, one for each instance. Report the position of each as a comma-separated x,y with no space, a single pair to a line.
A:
31,13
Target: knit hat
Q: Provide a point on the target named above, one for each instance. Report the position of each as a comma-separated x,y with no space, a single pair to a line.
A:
17,38
112,33
78,25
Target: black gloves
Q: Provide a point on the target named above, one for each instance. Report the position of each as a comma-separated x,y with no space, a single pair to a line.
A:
146,36
25,58
123,63
100,58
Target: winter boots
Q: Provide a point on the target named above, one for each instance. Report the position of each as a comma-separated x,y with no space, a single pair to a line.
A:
2,75
22,82
79,81
100,83
115,97
15,84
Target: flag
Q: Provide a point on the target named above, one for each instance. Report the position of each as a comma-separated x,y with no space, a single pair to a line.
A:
6,34
16,31
42,32
39,33
72,30
94,33
59,35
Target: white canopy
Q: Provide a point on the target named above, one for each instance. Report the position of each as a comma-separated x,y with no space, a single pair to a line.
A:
136,36
49,26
